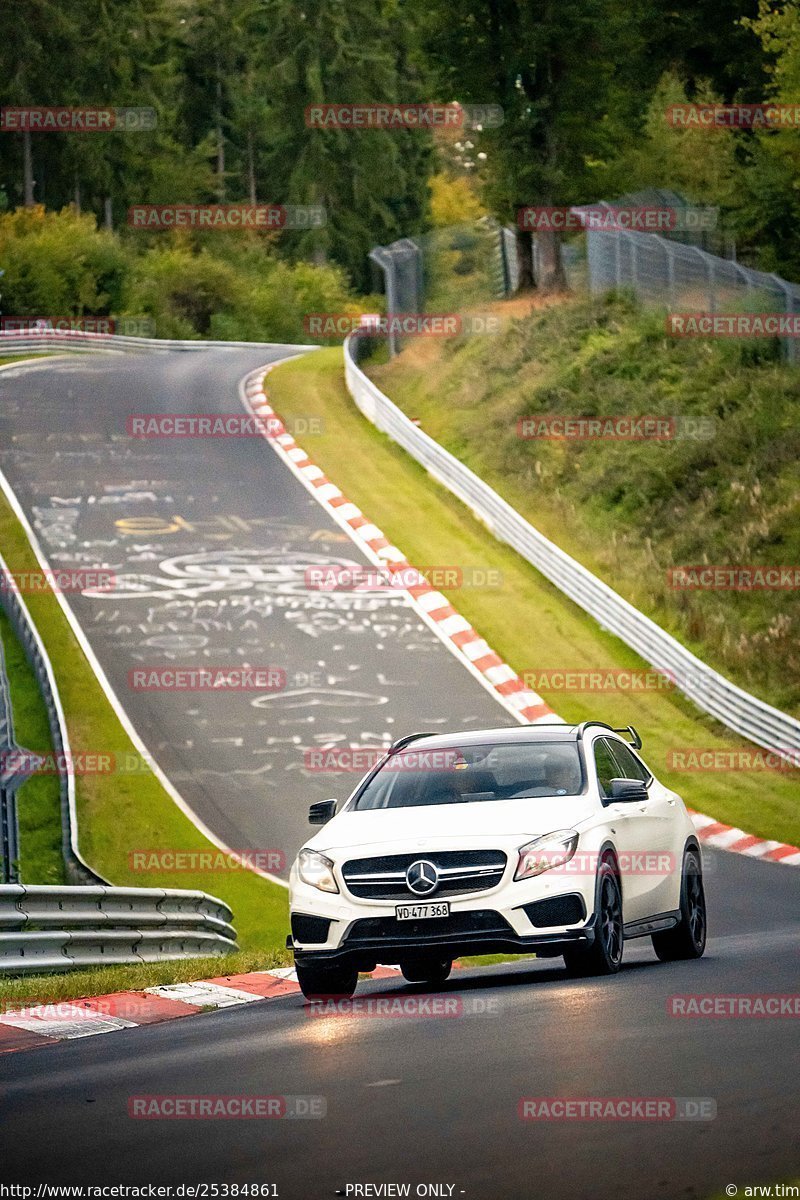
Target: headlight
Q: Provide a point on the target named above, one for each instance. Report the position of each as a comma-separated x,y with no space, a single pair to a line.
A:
544,853
316,870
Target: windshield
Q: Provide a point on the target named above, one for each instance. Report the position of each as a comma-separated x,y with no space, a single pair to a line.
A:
472,774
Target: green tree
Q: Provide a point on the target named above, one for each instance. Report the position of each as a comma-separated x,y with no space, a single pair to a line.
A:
549,65
37,35
700,164
770,215
371,183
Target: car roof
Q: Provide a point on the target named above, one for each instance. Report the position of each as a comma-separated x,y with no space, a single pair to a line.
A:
542,732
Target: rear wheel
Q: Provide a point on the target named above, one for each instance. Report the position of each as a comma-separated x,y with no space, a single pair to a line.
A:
604,956
688,938
326,983
431,971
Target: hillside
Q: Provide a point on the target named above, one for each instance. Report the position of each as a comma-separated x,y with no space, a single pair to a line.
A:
722,489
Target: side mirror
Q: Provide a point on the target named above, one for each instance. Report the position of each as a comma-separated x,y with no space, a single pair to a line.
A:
628,790
321,812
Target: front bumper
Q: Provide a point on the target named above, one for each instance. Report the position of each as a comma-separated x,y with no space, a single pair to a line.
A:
364,952
543,915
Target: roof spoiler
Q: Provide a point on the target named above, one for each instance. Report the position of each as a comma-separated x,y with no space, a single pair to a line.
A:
404,741
629,730
636,741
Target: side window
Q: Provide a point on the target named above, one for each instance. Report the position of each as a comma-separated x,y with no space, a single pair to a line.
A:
629,765
607,768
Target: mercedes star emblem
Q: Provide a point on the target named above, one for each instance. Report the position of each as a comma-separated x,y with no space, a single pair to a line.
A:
422,877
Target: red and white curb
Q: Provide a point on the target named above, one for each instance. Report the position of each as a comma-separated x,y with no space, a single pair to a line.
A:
433,607
47,1024
728,837
497,676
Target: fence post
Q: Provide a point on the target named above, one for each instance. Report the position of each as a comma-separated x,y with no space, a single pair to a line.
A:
386,257
381,257
504,267
789,344
670,272
420,274
748,283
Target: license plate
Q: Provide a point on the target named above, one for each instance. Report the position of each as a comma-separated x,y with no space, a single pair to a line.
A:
421,912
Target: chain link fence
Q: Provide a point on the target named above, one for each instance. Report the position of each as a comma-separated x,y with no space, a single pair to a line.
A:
662,270
689,268
446,270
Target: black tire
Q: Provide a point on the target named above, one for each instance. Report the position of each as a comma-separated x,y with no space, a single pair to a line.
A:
326,983
604,956
431,971
688,938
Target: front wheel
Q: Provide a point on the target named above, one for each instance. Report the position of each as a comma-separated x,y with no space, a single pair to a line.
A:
604,955
688,938
326,983
426,970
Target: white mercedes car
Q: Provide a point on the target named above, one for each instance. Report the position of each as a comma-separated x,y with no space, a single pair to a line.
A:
546,839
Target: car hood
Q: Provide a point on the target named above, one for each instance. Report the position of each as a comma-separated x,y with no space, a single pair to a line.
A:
437,826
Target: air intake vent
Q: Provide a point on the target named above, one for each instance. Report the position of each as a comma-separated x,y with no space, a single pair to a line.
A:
309,930
559,910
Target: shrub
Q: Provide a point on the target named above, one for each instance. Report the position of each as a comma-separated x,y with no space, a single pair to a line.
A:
59,264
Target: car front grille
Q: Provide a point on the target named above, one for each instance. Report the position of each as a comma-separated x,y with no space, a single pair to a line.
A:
460,873
372,929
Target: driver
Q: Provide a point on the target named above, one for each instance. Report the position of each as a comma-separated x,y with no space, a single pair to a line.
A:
563,776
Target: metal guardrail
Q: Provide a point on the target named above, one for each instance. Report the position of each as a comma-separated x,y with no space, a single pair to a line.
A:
713,693
45,342
46,928
78,870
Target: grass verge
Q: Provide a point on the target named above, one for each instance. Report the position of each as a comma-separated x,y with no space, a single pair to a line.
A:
18,358
526,620
119,812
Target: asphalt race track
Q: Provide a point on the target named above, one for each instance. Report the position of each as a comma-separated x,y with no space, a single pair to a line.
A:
435,1100
415,1100
209,541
